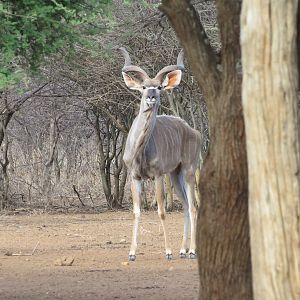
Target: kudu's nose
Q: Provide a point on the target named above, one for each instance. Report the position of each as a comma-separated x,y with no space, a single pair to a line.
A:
151,99
151,93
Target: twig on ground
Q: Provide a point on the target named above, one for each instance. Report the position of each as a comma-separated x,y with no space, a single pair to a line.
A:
8,253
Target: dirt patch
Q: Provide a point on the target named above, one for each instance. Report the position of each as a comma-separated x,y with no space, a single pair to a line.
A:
99,245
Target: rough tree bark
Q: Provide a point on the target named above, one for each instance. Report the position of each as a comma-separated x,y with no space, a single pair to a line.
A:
298,61
223,228
105,178
169,194
53,139
110,161
270,109
4,162
119,173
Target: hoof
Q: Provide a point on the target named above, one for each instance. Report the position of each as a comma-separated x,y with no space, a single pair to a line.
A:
183,253
131,257
169,256
192,255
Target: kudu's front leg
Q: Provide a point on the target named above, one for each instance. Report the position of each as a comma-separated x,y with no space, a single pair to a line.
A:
159,195
136,190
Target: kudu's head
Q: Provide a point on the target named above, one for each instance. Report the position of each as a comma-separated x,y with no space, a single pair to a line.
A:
167,78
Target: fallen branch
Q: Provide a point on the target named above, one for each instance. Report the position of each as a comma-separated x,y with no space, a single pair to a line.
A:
8,253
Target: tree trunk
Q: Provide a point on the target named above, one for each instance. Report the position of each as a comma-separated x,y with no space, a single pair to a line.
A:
197,183
53,139
120,173
144,197
102,161
223,230
4,162
298,60
123,182
169,193
270,108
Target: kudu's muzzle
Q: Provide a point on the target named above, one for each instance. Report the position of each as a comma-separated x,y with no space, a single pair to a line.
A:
152,97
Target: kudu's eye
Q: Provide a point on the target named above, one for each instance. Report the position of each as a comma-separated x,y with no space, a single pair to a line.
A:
143,87
159,87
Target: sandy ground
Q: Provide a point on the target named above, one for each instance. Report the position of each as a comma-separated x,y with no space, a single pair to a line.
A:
99,243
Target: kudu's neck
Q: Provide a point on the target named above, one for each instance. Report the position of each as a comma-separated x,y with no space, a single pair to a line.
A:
145,124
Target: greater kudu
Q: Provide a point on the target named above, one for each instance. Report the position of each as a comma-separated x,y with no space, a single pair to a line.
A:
158,145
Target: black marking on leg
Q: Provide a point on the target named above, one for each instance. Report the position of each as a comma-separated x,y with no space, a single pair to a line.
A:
192,255
169,256
131,257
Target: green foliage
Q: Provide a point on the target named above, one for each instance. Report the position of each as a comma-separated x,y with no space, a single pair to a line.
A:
31,30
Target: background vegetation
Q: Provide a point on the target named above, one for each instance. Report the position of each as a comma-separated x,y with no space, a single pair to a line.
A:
65,112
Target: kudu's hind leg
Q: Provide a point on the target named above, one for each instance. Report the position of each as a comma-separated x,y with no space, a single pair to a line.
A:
178,185
190,190
136,190
159,195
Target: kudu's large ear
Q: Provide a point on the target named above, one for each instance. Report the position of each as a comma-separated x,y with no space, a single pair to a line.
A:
132,83
172,80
